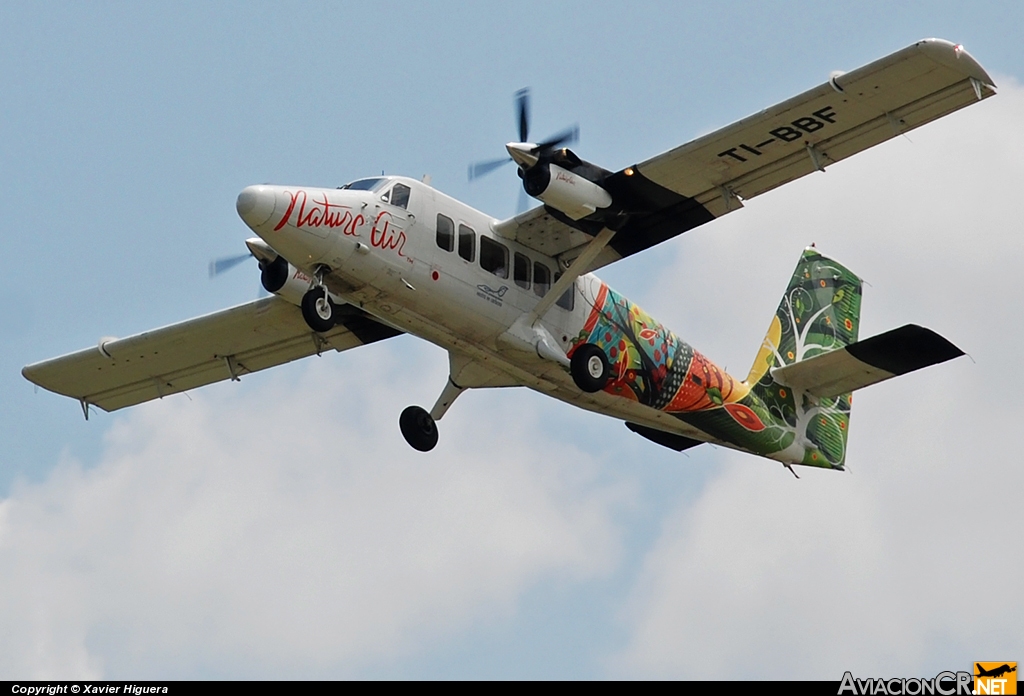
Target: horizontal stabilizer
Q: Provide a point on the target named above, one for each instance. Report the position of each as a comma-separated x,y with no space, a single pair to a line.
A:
867,362
670,440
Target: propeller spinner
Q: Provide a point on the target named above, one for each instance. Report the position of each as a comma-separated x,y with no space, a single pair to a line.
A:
525,153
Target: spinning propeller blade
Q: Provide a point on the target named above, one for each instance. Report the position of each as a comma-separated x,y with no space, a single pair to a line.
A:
480,168
569,135
522,106
225,263
218,266
523,201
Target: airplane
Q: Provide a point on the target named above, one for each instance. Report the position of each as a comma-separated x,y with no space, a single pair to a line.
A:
995,672
515,302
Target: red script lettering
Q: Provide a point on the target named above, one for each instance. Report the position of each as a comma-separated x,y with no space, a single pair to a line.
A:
320,213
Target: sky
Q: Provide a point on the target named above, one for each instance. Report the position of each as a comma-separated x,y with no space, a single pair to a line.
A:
281,527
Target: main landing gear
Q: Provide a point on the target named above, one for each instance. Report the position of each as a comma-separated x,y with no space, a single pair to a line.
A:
318,310
589,368
418,427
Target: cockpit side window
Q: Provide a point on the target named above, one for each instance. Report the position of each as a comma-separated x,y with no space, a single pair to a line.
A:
400,196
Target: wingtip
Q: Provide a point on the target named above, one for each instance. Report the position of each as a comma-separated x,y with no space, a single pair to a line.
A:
955,56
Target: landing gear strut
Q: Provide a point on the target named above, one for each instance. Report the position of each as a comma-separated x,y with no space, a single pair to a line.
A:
419,427
317,309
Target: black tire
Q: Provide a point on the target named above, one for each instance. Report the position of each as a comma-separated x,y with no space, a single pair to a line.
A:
318,310
589,368
418,428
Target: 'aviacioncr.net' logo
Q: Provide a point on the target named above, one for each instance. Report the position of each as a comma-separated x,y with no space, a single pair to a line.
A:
995,678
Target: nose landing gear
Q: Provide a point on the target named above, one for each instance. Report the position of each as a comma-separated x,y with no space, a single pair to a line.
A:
318,310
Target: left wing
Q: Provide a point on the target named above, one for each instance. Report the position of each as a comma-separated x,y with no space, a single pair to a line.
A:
223,345
708,177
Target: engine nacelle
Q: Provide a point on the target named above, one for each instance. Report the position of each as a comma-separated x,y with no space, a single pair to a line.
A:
561,189
284,280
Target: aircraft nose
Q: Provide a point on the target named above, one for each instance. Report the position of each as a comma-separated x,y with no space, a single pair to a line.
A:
255,205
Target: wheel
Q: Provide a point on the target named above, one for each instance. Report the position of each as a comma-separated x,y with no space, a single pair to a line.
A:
318,310
418,428
589,368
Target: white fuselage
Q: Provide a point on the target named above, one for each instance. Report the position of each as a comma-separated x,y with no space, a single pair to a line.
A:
467,292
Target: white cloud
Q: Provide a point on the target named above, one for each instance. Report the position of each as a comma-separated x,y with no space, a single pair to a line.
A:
294,532
908,565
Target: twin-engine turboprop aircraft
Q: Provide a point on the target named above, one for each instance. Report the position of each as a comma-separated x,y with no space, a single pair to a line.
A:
514,301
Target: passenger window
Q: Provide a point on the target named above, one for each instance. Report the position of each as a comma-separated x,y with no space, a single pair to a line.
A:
467,243
568,298
400,196
445,233
541,279
522,271
493,257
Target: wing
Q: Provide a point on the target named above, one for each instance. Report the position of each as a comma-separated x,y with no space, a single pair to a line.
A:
712,175
223,345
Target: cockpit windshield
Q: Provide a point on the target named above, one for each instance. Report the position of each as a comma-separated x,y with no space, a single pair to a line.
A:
365,184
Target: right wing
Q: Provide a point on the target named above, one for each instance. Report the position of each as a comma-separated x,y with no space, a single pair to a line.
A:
850,113
706,178
223,345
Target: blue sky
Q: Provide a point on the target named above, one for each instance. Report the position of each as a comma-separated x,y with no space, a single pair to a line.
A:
576,549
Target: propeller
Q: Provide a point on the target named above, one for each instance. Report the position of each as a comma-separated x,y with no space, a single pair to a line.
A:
226,263
218,266
522,104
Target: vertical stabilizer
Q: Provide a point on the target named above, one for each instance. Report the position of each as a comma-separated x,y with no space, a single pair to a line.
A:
819,313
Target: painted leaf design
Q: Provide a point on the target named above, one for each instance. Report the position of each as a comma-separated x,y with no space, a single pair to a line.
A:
745,417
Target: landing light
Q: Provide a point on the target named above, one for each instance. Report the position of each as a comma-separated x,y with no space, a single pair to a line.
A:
629,171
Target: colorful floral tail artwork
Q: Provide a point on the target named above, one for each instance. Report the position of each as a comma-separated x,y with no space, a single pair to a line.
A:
819,312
